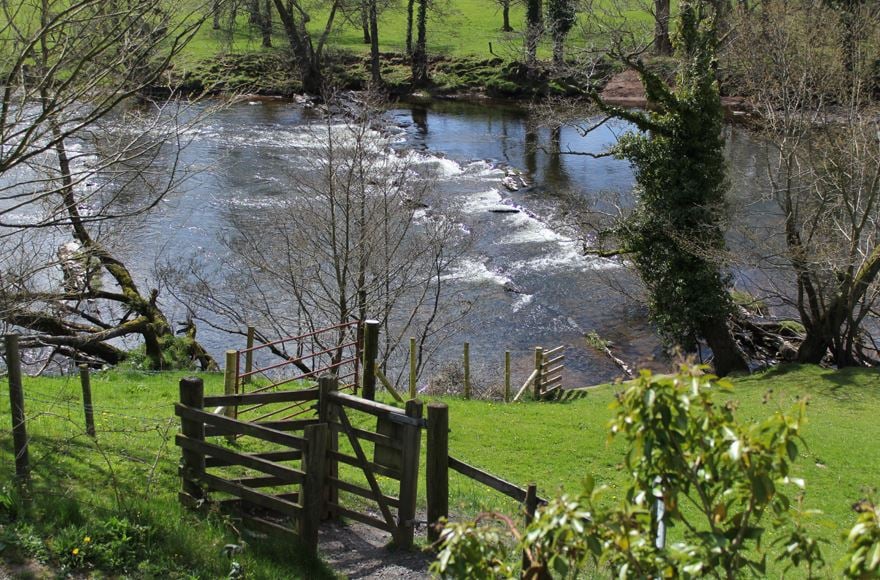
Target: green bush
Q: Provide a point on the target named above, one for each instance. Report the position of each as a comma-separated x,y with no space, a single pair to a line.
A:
720,484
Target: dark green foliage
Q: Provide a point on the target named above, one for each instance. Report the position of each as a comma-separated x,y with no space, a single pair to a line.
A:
675,234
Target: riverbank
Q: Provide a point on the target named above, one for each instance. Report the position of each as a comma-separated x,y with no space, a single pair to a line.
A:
125,481
270,73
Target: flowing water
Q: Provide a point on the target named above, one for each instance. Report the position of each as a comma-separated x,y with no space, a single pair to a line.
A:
525,271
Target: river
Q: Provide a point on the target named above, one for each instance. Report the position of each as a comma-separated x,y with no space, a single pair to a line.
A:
525,271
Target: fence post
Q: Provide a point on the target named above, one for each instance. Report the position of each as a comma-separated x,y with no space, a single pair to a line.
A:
192,394
507,376
371,351
467,370
531,506
437,467
328,413
409,477
249,355
539,366
230,377
16,403
87,400
312,493
412,368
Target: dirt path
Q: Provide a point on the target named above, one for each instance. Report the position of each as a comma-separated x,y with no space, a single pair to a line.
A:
358,551
625,90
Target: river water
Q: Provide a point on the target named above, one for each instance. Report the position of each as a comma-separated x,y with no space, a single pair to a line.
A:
526,272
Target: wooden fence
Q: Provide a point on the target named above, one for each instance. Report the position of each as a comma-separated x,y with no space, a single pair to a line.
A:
292,498
335,350
353,458
546,380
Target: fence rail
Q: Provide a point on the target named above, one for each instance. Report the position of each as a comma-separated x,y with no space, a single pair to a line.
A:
333,350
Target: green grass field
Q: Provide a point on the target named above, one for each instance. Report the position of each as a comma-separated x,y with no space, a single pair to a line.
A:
130,474
455,29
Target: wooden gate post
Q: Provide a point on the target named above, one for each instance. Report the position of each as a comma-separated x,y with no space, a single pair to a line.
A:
230,379
507,376
371,351
312,493
16,403
192,394
328,413
437,467
467,370
539,367
249,355
89,410
409,477
531,506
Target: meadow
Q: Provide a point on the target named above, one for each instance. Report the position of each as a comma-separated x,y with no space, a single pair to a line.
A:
124,483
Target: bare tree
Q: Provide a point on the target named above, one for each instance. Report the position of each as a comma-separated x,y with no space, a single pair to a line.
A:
308,53
352,238
818,116
75,160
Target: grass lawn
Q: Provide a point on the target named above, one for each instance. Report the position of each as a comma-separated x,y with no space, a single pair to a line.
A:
460,28
125,485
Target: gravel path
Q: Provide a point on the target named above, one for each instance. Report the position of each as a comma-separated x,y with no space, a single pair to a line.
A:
358,551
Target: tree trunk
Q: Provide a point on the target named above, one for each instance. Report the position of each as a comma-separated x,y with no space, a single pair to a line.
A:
366,8
534,29
420,54
266,23
505,16
662,43
558,50
728,357
215,13
409,26
300,41
374,45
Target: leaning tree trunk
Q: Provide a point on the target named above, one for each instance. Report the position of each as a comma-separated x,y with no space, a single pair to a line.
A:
727,355
298,38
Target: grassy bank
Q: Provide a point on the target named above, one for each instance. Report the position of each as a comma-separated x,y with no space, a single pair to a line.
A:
125,484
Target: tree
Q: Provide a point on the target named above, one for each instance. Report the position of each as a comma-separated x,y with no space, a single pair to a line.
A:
534,29
75,159
693,467
505,15
562,15
375,70
662,42
351,239
675,233
307,54
817,114
420,51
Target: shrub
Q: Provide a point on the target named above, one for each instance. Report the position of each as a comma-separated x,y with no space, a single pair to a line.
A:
693,466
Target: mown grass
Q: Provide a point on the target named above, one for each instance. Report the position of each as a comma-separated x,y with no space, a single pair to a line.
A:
455,29
84,488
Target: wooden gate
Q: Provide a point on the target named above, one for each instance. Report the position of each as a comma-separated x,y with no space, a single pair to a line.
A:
350,457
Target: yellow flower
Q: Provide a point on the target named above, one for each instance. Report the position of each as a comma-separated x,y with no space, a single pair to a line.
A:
87,539
75,551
